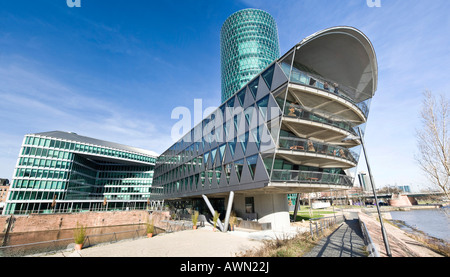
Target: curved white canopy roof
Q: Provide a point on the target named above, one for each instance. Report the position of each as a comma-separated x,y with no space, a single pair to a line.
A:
341,54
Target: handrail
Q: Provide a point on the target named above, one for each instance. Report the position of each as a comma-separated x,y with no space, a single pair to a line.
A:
300,112
311,177
322,223
313,80
56,248
309,146
373,251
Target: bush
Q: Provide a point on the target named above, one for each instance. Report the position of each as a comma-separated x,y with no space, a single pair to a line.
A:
215,218
79,234
150,227
195,218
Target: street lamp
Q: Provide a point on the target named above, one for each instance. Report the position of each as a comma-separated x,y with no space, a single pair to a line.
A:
386,242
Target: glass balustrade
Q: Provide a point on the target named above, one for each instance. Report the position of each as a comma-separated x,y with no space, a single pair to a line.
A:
297,111
312,80
309,146
311,177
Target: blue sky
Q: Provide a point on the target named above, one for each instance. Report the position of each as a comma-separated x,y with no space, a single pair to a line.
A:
115,70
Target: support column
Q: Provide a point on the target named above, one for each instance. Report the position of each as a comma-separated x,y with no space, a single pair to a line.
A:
227,216
211,209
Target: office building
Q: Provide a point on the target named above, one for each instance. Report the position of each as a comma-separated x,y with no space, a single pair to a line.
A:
66,172
248,44
290,129
364,181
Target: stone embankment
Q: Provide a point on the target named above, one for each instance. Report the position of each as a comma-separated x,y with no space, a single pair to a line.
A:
23,229
400,243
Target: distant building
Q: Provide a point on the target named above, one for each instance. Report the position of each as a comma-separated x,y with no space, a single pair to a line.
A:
65,172
248,44
364,181
404,188
4,187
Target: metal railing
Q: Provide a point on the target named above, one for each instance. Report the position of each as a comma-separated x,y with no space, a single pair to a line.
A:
300,112
373,251
67,244
311,177
319,224
82,210
177,225
345,92
309,146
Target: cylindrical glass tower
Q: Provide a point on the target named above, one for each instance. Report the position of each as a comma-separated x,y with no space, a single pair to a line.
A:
248,44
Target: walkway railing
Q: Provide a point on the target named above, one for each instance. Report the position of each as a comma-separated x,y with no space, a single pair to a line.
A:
60,245
373,251
319,224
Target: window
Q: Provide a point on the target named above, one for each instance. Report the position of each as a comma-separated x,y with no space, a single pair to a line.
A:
239,165
251,162
249,205
241,96
243,139
262,105
268,75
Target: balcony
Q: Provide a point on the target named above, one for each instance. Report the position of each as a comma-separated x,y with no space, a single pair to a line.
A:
310,153
318,124
311,177
315,91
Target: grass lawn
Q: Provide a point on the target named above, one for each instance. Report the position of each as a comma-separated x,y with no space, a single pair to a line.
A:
304,213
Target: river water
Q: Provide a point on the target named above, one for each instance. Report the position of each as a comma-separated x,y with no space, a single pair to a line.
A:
434,222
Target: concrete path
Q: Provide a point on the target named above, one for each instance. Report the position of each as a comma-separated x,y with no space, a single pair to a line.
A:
346,241
190,243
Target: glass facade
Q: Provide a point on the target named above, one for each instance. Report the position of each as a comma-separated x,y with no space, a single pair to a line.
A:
270,132
249,43
54,174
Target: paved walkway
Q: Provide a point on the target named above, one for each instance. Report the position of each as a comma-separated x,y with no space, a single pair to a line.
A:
346,241
202,242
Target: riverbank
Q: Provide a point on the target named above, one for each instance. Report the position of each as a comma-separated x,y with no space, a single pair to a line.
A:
401,244
406,244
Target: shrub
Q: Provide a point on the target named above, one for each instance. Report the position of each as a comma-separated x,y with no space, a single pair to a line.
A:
195,218
215,218
79,234
150,227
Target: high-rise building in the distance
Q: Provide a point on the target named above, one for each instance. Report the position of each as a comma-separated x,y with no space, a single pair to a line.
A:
248,44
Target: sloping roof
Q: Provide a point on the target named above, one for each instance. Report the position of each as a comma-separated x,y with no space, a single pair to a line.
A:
87,140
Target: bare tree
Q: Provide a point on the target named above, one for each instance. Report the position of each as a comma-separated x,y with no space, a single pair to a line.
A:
434,142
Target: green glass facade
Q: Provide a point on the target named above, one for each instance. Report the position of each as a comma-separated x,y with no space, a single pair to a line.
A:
249,43
54,174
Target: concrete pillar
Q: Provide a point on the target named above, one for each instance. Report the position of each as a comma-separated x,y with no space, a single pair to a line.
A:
229,206
273,208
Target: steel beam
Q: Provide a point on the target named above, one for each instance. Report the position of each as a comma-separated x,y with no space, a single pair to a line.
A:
227,215
211,209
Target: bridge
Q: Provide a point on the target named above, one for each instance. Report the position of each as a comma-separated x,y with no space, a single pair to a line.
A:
369,195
